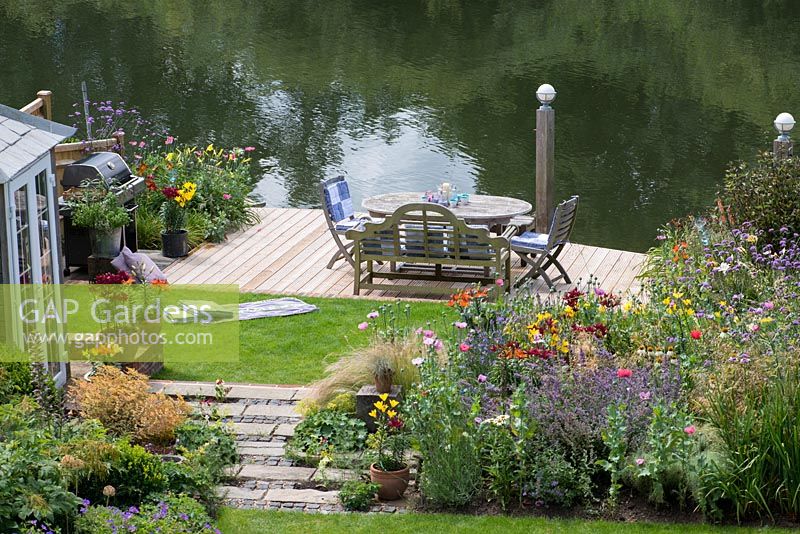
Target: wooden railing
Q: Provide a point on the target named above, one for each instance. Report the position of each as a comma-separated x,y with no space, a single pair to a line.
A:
67,153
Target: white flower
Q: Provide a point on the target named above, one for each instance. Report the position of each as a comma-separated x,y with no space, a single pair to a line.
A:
417,361
723,268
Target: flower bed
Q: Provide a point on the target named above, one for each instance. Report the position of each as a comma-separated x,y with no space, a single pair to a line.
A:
104,471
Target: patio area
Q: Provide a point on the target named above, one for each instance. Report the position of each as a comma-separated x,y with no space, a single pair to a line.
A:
287,253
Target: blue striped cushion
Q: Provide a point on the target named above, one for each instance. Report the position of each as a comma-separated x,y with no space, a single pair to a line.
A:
530,241
338,201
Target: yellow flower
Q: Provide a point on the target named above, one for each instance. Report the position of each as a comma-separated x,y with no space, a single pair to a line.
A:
383,396
381,406
766,320
210,148
393,403
170,156
373,414
569,312
687,302
666,301
627,306
677,295
391,413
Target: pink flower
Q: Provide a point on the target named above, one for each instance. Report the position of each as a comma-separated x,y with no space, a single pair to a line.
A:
463,347
363,326
460,325
428,341
438,345
639,461
226,196
768,305
428,333
418,331
372,315
690,429
644,395
499,282
142,144
482,378
624,373
169,140
249,148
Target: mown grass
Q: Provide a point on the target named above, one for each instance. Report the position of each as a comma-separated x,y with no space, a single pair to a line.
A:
257,521
296,349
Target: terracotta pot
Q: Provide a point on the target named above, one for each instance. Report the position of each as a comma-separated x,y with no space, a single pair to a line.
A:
383,384
392,483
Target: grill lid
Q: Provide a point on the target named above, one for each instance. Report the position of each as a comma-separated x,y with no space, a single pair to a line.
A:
106,166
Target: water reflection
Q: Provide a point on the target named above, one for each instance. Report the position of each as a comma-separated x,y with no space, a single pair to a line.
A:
653,100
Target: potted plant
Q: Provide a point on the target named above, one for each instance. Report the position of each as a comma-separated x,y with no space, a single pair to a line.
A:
174,243
382,374
389,442
97,209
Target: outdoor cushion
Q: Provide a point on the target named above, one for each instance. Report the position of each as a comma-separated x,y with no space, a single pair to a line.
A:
338,201
529,241
139,263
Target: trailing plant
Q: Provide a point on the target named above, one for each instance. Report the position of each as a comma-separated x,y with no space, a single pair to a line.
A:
97,208
328,430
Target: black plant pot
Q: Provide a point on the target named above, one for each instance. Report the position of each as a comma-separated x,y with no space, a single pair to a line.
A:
175,245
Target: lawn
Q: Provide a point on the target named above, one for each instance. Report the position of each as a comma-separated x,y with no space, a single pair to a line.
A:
257,521
296,349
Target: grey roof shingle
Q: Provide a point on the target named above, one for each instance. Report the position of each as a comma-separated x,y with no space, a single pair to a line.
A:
24,139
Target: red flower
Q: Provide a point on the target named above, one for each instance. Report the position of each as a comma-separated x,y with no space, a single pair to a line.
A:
395,422
624,373
696,334
170,192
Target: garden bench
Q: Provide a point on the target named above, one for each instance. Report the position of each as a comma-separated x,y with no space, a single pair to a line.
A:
425,241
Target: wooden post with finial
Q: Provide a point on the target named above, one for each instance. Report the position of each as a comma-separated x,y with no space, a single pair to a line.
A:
545,154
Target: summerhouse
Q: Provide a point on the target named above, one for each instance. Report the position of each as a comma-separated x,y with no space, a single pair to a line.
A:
29,221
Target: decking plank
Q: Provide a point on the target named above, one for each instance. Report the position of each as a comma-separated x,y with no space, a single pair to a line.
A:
287,252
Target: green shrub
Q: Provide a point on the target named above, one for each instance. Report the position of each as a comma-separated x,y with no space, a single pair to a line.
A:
442,424
100,211
136,474
765,192
357,496
171,514
758,422
328,430
31,482
15,380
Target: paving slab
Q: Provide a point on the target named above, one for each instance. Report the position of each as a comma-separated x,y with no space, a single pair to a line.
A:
302,393
308,496
261,451
231,471
188,389
336,475
254,429
261,392
235,492
285,429
275,472
232,409
272,410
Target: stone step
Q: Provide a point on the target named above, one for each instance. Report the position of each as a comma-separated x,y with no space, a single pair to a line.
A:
260,448
237,391
232,409
336,475
235,492
307,496
285,429
254,429
271,410
274,472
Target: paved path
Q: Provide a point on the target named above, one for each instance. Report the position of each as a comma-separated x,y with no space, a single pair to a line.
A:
264,418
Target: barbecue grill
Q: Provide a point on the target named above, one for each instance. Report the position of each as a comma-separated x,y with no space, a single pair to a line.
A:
109,170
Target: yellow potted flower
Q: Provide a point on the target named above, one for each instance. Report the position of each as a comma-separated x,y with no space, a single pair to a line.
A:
389,442
174,242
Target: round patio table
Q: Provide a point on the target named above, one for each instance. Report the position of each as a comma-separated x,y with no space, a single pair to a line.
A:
481,209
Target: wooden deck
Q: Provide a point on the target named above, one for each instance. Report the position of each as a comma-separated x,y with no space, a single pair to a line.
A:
286,253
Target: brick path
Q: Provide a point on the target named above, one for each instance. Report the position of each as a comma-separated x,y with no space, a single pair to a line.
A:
263,418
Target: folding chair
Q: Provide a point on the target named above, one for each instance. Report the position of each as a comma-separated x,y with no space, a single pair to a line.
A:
540,251
337,205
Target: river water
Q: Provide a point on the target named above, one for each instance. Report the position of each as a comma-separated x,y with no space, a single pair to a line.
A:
654,97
